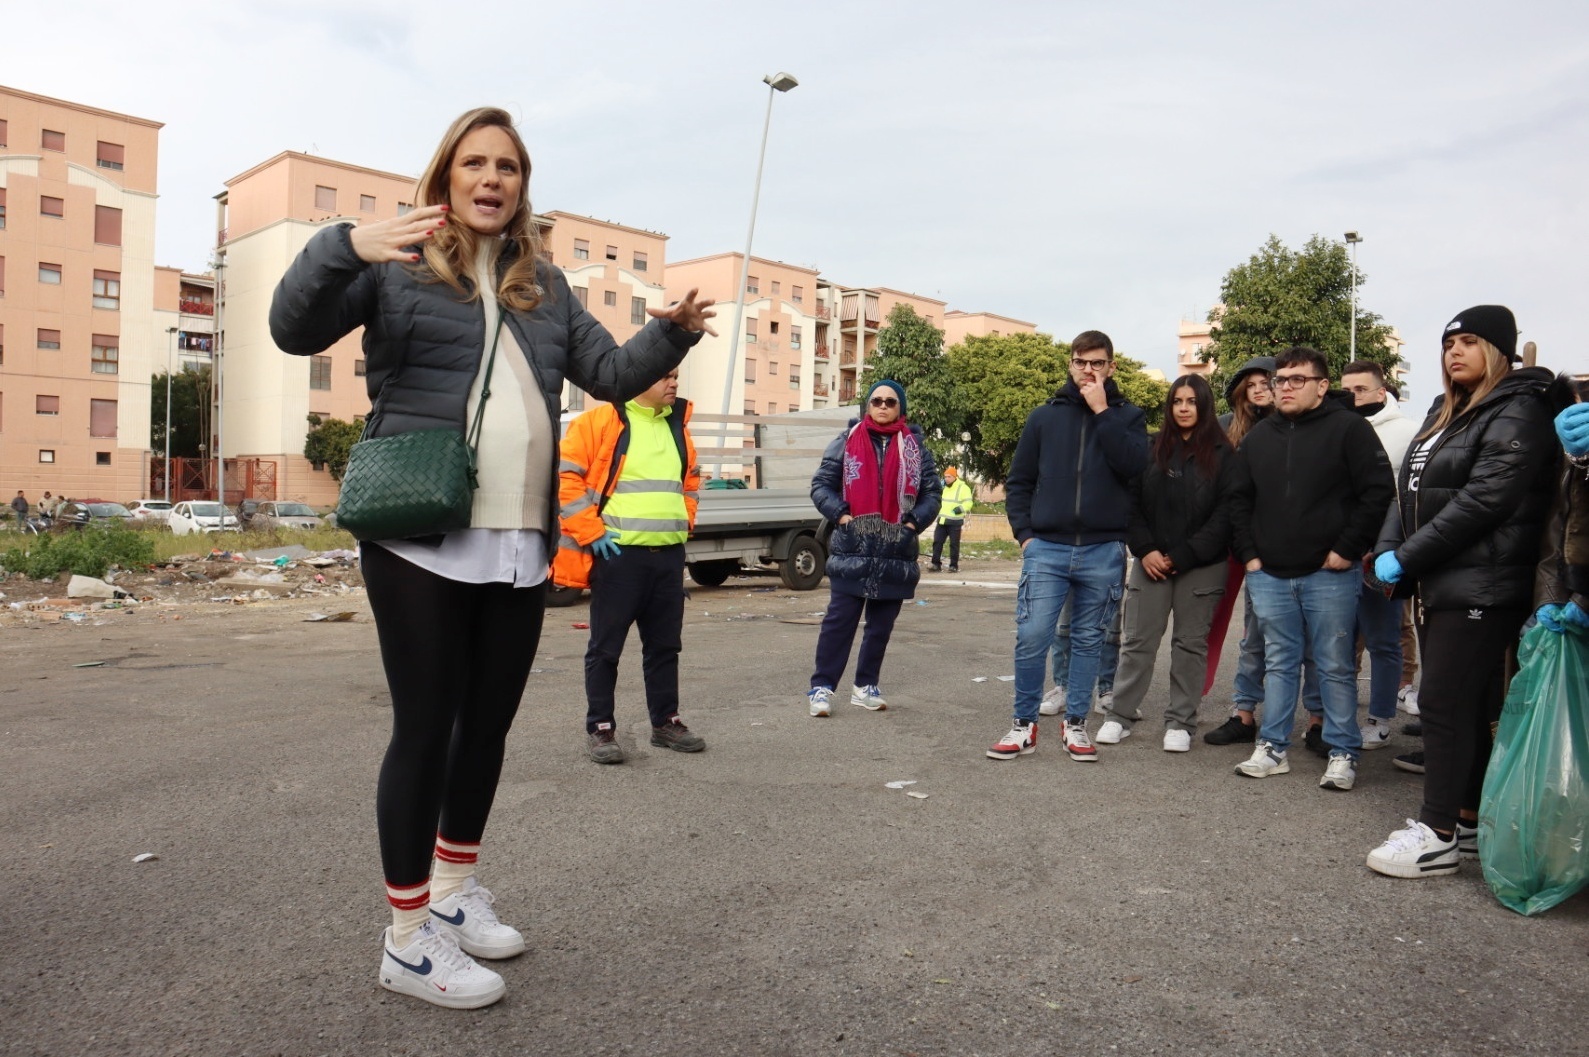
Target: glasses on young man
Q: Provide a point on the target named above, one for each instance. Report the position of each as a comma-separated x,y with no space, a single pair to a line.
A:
1294,381
1090,366
884,401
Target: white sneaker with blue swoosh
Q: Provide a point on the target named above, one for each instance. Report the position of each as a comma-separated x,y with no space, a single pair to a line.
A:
433,969
467,914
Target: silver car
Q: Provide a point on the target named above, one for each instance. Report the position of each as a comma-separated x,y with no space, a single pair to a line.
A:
273,514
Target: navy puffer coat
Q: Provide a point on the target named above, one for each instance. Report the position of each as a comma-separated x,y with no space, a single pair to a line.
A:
869,557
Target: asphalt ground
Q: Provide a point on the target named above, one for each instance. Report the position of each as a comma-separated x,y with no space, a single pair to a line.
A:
767,896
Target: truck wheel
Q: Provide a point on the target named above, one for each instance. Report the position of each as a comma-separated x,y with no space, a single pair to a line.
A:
558,596
712,574
803,569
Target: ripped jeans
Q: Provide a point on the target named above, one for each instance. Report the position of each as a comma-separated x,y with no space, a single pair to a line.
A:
1319,609
1092,576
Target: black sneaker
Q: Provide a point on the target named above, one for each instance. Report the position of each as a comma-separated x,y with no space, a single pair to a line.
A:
603,748
1314,741
935,568
954,568
1232,731
1413,728
676,736
1412,761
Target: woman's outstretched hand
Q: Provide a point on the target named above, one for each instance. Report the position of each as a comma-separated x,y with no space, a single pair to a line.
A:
689,313
389,240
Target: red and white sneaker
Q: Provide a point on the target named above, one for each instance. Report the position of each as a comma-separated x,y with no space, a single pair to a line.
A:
1077,743
1018,742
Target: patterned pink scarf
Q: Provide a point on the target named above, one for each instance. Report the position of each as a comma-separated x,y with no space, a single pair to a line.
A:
892,493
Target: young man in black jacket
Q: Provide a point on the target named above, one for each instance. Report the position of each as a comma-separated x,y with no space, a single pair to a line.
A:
1068,498
1317,484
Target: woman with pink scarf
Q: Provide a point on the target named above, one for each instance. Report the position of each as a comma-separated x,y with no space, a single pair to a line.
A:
878,485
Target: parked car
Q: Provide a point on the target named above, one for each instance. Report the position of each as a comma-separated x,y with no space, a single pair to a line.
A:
271,514
149,509
201,516
79,513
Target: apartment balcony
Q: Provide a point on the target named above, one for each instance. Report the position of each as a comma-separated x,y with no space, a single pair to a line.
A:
820,353
824,312
847,359
819,389
196,308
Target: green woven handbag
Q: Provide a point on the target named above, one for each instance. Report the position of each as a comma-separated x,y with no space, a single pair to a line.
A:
418,483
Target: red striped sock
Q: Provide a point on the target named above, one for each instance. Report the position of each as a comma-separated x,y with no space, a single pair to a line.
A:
410,909
455,864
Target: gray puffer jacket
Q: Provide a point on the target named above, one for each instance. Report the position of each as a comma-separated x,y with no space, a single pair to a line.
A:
438,341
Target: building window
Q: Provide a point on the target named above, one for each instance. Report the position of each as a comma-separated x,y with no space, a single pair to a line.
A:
612,253
639,261
325,198
49,339
609,298
797,294
752,285
794,337
110,155
105,355
319,372
102,458
404,208
46,454
582,249
794,377
53,140
775,287
581,294
576,398
750,331
50,273
366,203
102,418
637,310
772,368
773,326
46,405
359,368
750,407
107,290
2,276
750,370
2,204
772,408
2,132
52,207
107,226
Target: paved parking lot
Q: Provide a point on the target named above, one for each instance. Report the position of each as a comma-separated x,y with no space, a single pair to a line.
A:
769,896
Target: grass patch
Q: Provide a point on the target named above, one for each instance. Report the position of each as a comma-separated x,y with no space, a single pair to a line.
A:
90,552
324,538
992,550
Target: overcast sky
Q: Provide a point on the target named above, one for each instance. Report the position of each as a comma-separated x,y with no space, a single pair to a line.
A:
1077,165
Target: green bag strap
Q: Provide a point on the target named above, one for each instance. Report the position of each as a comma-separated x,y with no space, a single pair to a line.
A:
485,394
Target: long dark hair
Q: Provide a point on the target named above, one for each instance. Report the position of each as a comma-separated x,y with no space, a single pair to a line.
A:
1207,438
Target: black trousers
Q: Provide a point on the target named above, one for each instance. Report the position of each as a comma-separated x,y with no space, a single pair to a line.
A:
644,587
1464,685
838,635
457,657
947,530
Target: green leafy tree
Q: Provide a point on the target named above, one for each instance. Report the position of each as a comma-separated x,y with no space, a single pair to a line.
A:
1141,390
1282,297
910,351
190,411
329,442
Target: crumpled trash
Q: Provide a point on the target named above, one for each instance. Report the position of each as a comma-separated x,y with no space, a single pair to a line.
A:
147,856
89,587
900,784
329,618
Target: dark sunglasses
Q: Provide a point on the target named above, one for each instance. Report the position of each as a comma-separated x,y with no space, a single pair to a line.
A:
884,401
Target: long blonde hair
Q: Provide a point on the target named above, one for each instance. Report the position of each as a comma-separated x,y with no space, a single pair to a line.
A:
1458,399
1243,414
450,253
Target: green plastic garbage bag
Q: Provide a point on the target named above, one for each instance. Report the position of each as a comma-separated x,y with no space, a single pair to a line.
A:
1534,813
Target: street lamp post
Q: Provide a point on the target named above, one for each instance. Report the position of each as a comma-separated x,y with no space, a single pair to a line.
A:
171,340
777,82
1352,239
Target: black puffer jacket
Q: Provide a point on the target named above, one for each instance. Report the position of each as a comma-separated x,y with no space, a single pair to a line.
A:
1468,529
869,557
439,341
1182,513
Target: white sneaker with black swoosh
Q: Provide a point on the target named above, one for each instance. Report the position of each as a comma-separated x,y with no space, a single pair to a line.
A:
433,969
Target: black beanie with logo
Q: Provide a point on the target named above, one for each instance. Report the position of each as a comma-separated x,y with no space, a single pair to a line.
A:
1494,323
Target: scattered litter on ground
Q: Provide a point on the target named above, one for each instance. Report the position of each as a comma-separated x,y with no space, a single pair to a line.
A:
900,784
1006,678
979,678
90,664
580,625
916,796
91,587
292,552
147,856
328,618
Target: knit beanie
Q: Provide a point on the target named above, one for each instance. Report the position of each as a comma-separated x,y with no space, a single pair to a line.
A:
1494,323
898,389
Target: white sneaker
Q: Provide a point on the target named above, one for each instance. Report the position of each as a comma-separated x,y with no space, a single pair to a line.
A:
1265,760
1177,740
1112,733
1077,743
1018,742
1416,851
433,969
467,914
1376,733
1053,702
868,697
1467,840
820,699
1407,699
1340,773
1103,702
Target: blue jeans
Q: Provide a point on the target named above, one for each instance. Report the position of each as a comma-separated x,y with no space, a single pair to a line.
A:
1093,578
1108,657
1379,622
1317,610
1250,670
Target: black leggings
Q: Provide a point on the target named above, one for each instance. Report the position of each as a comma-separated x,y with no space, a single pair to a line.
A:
1464,684
457,656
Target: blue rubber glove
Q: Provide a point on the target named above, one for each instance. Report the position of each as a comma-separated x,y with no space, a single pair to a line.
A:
1549,617
607,546
1387,569
1574,615
1572,426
